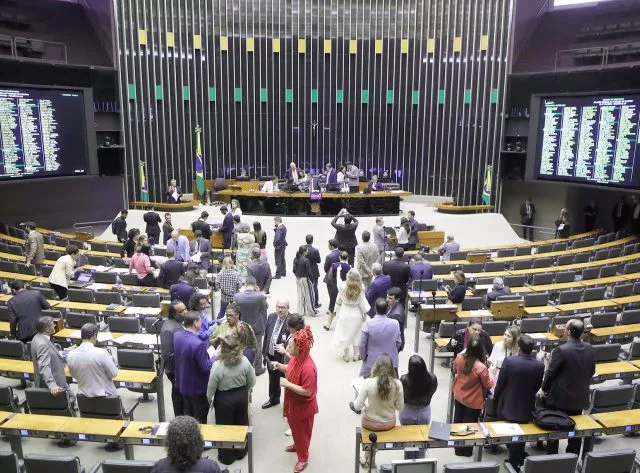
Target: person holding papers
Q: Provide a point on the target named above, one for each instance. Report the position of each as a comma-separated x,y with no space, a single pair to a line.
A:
173,194
200,250
271,186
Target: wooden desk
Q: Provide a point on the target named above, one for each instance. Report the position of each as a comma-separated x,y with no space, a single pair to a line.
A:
603,281
33,425
95,430
4,298
449,207
5,329
555,287
631,277
87,307
18,276
187,205
615,370
527,244
619,422
20,258
585,306
12,239
543,309
619,332
585,427
622,301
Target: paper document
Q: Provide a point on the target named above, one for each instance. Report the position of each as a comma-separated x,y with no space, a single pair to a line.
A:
144,338
196,257
175,195
480,313
96,286
75,334
142,310
119,270
162,429
122,339
211,351
538,336
102,269
507,429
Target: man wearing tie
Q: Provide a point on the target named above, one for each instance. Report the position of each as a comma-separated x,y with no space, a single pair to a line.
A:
203,248
180,245
173,194
280,245
330,174
273,348
527,211
226,228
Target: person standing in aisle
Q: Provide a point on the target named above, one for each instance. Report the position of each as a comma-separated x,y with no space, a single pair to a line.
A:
527,212
34,247
280,245
153,221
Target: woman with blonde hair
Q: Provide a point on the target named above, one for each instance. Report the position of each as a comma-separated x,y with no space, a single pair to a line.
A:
506,347
230,380
235,208
385,394
351,310
244,240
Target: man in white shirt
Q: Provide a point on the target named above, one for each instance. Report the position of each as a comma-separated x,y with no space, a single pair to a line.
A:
449,247
271,186
93,368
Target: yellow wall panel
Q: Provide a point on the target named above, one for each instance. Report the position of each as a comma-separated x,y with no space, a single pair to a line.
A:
327,46
379,46
142,37
353,46
457,44
302,46
197,41
484,42
250,45
171,40
404,46
224,43
276,45
431,45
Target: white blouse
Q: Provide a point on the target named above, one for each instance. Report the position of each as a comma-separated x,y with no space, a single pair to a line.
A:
497,357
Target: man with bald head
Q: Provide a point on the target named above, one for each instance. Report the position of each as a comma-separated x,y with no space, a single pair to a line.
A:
273,348
566,383
180,245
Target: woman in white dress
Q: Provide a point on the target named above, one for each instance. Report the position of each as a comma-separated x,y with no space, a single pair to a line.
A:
403,233
508,346
351,310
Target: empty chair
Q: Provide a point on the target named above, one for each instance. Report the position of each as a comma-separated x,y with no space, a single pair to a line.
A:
107,407
8,266
514,281
142,360
484,281
630,317
610,461
48,293
146,300
636,288
9,402
493,266
632,354
4,314
506,253
561,246
582,258
129,279
601,254
535,325
458,255
153,324
472,303
622,290
523,251
97,246
603,319
441,269
36,463
425,256
46,271
106,298
631,268
78,319
446,329
570,297
593,294
561,319
472,467
52,254
522,264
509,297
62,241
105,278
542,262
114,248
163,252
473,267
13,349
9,463
542,278
3,247
608,270
123,466
565,276
564,260
41,401
558,463
611,398
124,324
15,250
80,295
97,260
24,269
606,352
536,299
614,252
495,327
425,285
628,249
120,263
602,239
547,248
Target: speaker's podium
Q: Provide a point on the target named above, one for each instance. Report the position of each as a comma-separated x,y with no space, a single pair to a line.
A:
512,309
437,313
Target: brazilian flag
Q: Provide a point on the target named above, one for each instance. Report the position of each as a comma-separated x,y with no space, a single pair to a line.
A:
144,189
199,165
486,190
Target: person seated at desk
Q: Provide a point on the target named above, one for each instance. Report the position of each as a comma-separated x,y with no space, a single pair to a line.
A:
460,340
498,289
458,292
271,186
141,263
291,174
200,250
374,184
173,194
448,247
420,269
184,444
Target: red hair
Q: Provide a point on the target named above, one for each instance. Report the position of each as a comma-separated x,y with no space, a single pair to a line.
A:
303,339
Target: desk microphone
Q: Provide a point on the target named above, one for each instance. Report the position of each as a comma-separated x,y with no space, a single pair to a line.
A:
373,437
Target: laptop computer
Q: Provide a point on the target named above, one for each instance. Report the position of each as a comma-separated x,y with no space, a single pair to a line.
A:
83,279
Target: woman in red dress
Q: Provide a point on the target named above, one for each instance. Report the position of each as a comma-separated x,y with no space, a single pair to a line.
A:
301,385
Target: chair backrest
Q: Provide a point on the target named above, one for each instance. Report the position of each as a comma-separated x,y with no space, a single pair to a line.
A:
628,249
425,256
561,246
582,257
473,267
7,400
12,349
583,243
559,463
634,354
107,407
514,281
458,255
472,467
561,319
608,270
97,260
522,264
614,252
52,254
441,269
4,314
426,284
8,266
136,359
523,251
546,248
80,295
446,329
495,327
611,398
9,463
46,292
124,324
60,241
146,300
15,250
565,276
114,248
41,401
536,299
46,271
609,461
151,324
35,463
564,260
542,262
630,268
129,279
601,254
591,273
127,466
472,303
535,325
606,352
542,278
105,278
492,266
594,293
510,297
602,239
96,246
78,319
202,283
106,298
570,297
636,288
507,252
604,319
24,269
630,317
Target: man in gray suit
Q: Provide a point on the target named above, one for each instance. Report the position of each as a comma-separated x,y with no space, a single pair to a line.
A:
252,305
260,270
48,362
379,335
202,246
366,256
380,238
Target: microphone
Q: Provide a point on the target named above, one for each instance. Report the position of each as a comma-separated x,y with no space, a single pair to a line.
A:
373,437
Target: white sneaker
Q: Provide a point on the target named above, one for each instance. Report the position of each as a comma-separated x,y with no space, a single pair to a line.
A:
288,433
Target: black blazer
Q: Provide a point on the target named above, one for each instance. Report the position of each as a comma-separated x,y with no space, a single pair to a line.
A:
313,255
153,220
569,376
25,308
457,293
523,212
302,268
170,272
332,257
519,381
459,338
203,227
283,336
346,233
400,274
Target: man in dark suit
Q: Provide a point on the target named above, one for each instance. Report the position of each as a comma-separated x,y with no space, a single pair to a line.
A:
170,270
260,270
378,288
399,271
527,212
313,255
173,194
252,305
619,214
25,308
330,279
279,247
414,226
330,174
566,383
153,221
346,233
202,246
119,226
226,228
202,225
515,394
396,311
274,349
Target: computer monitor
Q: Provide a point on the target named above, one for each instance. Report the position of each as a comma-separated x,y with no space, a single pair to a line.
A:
423,465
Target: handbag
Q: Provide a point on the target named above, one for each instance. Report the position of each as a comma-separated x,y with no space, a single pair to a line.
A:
549,419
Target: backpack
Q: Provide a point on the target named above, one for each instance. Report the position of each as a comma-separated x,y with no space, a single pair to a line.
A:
552,420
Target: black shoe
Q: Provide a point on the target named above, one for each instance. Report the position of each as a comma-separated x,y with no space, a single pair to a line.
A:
276,277
114,446
269,404
318,306
258,373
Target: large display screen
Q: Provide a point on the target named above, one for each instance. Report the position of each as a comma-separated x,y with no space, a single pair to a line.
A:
42,132
589,140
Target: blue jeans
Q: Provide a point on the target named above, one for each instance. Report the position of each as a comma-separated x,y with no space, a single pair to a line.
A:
414,415
223,308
